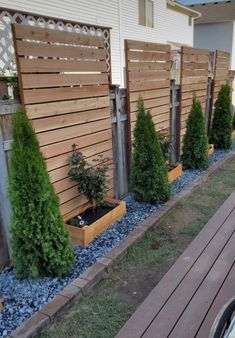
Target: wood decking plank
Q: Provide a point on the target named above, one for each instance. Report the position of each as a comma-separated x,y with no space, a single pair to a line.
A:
200,303
175,306
225,293
147,311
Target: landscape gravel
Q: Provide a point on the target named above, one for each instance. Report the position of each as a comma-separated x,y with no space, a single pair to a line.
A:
23,298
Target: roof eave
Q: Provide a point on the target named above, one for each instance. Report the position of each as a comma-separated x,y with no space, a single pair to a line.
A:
171,4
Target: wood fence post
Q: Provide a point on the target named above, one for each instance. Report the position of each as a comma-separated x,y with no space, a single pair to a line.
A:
209,104
119,145
175,123
4,202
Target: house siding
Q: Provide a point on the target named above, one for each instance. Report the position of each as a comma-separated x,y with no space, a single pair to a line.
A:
122,16
233,49
214,36
217,36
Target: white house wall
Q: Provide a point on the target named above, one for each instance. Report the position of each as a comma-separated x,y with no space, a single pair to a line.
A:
233,49
169,25
121,15
214,36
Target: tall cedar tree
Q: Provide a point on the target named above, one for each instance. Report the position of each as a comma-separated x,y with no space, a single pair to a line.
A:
222,121
149,181
195,144
40,241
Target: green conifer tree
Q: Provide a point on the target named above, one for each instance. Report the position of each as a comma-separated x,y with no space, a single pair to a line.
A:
149,181
195,143
222,120
40,241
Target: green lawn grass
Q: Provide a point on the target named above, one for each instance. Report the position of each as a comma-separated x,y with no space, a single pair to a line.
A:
109,305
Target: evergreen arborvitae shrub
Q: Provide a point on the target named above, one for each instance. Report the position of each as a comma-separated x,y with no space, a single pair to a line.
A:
234,122
222,120
195,143
149,180
40,242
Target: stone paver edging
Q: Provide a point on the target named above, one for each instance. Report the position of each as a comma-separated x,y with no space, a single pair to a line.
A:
50,312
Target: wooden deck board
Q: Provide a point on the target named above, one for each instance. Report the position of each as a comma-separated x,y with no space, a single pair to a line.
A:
225,293
195,278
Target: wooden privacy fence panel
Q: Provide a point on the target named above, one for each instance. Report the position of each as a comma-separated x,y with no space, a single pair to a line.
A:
221,71
194,80
65,89
148,76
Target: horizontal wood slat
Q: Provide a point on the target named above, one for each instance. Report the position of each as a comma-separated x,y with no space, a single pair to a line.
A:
148,76
147,56
26,48
151,103
147,46
63,93
52,35
195,51
60,66
148,66
58,135
158,84
61,121
65,89
149,94
66,107
59,80
82,141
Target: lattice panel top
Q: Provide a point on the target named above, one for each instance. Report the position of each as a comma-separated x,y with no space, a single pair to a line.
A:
7,53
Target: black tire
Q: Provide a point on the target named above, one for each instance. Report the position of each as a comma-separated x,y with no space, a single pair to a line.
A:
223,320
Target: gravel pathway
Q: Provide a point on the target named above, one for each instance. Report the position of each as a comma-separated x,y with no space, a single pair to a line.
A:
23,298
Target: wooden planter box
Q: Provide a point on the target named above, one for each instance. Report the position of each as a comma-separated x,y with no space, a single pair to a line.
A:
211,149
174,173
233,133
83,236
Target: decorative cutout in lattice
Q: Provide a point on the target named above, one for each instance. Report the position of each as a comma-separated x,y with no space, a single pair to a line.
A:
7,53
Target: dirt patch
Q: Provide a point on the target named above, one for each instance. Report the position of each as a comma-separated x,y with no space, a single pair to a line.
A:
134,290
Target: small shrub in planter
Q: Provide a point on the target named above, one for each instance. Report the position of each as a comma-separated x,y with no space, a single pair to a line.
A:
92,180
40,241
166,145
222,120
149,182
174,170
99,212
195,144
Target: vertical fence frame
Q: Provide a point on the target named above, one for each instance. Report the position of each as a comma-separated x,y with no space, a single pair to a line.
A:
119,118
6,108
175,122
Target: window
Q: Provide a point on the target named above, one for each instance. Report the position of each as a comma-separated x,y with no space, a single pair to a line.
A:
146,13
190,20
